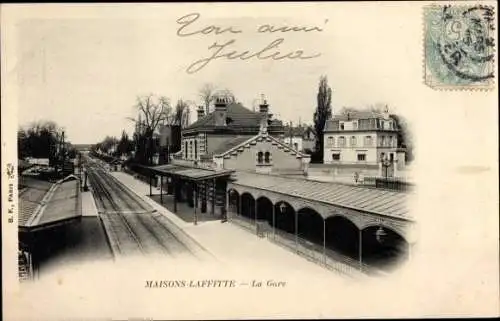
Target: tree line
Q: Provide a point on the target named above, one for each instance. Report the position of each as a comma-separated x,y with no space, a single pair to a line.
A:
43,139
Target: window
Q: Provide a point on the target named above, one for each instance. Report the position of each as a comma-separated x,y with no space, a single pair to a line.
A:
195,149
267,157
190,149
361,157
382,141
353,141
389,143
382,156
260,156
185,150
296,146
336,156
368,141
330,141
342,126
342,141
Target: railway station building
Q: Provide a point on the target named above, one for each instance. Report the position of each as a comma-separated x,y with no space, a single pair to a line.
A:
258,182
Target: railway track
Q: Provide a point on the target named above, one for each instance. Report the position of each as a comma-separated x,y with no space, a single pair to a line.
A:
129,221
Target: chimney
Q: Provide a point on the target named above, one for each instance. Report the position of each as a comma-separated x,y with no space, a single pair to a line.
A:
201,112
263,107
220,111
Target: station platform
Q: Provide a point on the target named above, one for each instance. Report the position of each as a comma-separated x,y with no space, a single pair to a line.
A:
228,243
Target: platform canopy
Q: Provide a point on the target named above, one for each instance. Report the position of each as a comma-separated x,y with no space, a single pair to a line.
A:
187,172
44,204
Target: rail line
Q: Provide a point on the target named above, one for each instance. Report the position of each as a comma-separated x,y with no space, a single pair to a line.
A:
129,219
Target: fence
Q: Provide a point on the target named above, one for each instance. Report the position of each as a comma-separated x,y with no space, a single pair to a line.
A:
395,183
313,252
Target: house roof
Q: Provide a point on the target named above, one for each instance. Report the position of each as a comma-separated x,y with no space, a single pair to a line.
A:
333,124
359,114
377,201
240,117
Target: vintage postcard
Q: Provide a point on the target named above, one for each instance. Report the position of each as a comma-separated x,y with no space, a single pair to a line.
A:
249,160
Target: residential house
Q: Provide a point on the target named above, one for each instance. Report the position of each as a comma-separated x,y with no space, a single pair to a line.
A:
364,141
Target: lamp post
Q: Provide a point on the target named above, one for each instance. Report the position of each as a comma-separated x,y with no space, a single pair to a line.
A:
380,235
385,164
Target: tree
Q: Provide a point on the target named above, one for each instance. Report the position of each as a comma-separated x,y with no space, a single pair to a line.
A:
322,114
209,92
207,96
39,140
405,139
125,145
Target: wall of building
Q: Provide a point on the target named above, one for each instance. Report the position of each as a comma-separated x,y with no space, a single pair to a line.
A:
371,144
296,142
247,160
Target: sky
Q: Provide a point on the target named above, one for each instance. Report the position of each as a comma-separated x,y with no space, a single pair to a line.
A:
86,72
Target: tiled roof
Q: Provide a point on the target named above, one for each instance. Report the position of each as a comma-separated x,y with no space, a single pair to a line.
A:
390,203
31,193
42,202
240,116
230,143
361,114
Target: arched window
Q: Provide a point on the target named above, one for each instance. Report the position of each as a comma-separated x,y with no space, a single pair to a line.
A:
190,149
195,149
368,140
267,157
330,141
260,156
353,141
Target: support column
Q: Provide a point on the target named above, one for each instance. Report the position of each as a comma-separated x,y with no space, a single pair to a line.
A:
195,200
274,222
150,185
174,182
297,231
360,249
161,189
324,241
213,197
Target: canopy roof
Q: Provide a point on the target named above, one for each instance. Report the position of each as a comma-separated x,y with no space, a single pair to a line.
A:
187,172
373,200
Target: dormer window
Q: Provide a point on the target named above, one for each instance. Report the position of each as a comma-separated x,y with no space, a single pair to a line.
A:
267,157
260,157
341,126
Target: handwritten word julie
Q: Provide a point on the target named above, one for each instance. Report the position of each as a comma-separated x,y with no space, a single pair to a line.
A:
226,51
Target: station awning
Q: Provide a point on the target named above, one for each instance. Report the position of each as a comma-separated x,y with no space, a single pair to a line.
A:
191,173
44,205
384,202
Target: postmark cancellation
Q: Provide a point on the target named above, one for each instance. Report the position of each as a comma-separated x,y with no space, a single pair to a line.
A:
459,47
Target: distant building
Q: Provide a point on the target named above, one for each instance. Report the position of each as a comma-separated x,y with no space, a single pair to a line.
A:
226,122
362,140
300,137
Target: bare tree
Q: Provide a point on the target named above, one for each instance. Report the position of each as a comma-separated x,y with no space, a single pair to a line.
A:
207,96
153,112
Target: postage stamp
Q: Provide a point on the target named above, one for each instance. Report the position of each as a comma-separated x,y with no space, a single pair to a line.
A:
459,46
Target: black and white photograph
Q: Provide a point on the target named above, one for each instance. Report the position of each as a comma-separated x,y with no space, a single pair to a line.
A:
249,160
